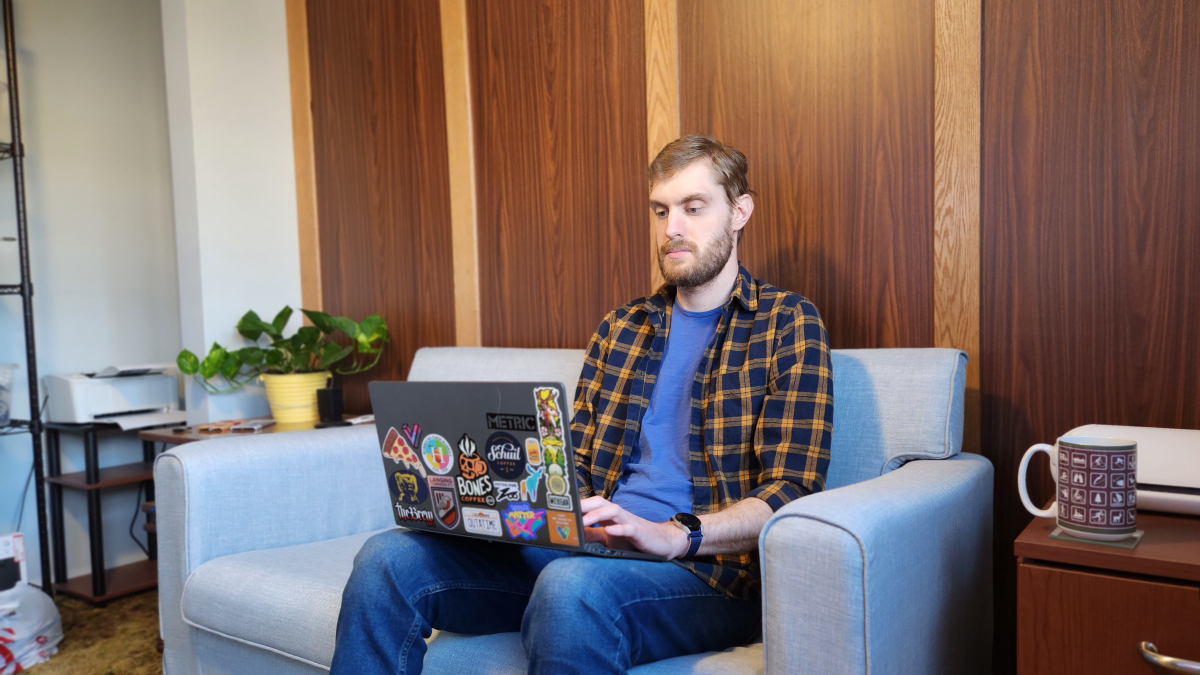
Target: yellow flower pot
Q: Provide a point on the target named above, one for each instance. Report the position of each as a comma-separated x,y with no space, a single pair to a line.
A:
293,398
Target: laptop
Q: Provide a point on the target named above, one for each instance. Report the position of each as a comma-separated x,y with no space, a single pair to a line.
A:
488,460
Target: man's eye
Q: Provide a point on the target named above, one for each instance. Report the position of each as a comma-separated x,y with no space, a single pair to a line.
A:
693,209
661,214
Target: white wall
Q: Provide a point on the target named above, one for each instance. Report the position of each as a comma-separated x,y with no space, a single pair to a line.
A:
234,180
98,185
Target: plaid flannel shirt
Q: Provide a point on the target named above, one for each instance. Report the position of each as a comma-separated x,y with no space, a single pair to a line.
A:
761,414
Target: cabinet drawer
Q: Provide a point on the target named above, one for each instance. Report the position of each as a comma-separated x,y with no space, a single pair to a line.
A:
1070,621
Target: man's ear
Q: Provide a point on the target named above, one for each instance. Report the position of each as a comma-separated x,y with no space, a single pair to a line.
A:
742,208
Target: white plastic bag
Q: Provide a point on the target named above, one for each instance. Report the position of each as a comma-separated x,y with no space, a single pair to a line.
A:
30,628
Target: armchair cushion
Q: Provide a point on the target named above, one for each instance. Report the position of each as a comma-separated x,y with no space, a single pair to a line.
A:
891,406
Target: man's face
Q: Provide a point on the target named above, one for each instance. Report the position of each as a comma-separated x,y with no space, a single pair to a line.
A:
696,226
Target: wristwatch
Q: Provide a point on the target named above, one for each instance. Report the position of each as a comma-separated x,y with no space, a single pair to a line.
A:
695,529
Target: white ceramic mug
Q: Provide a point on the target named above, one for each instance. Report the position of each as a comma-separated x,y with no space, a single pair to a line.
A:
1095,486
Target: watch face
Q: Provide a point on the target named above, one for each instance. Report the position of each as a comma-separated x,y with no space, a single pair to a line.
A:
688,520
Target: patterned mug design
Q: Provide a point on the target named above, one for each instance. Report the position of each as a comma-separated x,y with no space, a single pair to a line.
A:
1095,485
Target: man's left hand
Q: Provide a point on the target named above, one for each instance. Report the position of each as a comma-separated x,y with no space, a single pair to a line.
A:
619,528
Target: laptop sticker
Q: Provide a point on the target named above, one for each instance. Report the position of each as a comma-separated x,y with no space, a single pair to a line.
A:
474,485
407,487
550,422
400,451
523,522
507,491
506,422
562,528
529,484
413,515
504,454
482,521
445,504
559,502
533,452
437,453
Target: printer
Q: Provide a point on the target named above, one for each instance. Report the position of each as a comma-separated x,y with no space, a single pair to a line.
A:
132,397
1168,465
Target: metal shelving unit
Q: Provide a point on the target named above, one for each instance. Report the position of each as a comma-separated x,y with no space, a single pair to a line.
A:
25,290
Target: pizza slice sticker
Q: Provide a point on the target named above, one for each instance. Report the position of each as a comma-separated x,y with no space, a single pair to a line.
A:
400,451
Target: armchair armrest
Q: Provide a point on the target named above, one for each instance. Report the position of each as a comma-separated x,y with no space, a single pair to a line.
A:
244,493
889,575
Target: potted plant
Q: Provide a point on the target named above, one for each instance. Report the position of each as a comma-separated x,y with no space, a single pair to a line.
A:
292,368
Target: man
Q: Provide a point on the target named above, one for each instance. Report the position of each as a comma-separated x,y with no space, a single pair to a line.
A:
700,411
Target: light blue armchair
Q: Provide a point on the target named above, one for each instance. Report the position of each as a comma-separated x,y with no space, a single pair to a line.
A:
886,571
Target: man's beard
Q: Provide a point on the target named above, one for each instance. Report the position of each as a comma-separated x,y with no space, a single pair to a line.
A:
706,265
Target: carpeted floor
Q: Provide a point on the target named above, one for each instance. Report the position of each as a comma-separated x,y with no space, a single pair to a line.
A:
120,639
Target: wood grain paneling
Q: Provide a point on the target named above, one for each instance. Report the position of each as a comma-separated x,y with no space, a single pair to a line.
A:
461,155
1083,623
662,96
302,147
559,107
958,44
1089,282
379,127
832,103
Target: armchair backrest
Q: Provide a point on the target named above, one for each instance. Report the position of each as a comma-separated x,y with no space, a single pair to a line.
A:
890,405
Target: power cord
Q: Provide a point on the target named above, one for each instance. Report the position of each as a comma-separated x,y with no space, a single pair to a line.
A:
136,508
25,492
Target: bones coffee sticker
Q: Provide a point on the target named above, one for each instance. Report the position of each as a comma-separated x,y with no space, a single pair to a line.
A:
474,485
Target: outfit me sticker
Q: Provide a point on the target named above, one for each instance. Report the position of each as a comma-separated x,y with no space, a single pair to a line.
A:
437,454
482,521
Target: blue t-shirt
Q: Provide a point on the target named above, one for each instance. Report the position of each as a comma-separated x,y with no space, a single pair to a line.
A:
657,482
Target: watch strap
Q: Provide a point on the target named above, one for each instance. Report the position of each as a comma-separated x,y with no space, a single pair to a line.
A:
694,539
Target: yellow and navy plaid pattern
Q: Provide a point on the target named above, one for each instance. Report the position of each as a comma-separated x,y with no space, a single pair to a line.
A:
762,407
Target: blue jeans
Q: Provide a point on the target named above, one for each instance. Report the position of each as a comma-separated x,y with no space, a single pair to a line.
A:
576,613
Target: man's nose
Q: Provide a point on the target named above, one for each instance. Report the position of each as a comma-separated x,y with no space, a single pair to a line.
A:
676,224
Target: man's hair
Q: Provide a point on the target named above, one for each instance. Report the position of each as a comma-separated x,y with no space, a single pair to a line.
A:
729,165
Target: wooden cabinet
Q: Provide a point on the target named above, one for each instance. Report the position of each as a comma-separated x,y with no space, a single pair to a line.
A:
1084,608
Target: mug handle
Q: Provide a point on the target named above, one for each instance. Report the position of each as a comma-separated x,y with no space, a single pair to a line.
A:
1051,512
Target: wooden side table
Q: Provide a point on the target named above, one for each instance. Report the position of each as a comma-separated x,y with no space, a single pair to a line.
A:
101,585
1085,608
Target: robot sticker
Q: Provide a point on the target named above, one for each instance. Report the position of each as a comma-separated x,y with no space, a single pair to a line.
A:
523,521
445,504
474,484
437,454
400,449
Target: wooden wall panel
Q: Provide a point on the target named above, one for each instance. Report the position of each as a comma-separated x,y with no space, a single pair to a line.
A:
1090,283
559,108
832,103
379,130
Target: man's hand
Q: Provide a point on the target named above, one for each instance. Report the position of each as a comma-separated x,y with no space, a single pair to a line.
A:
621,529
